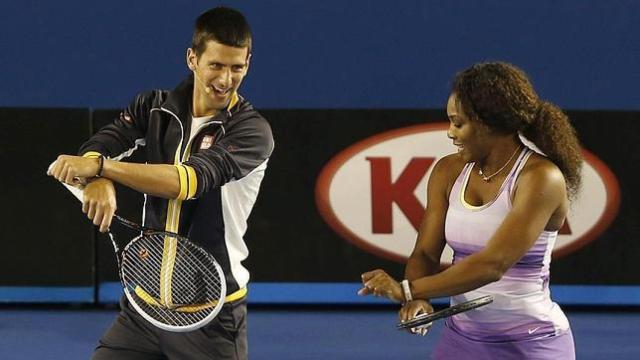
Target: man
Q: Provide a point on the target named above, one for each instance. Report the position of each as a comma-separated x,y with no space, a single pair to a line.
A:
207,151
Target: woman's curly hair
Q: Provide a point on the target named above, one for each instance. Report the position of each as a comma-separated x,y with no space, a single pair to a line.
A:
501,96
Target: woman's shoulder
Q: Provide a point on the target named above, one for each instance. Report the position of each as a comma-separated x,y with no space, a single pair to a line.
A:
541,171
541,165
451,161
449,166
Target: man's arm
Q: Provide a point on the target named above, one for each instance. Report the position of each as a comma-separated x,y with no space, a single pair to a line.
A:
99,202
244,147
153,179
125,132
237,154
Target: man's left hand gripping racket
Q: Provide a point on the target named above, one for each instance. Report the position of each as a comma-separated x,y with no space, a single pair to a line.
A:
173,283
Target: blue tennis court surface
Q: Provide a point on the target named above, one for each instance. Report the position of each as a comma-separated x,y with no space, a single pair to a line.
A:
281,333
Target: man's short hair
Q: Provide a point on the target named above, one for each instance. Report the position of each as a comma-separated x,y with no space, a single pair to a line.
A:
223,25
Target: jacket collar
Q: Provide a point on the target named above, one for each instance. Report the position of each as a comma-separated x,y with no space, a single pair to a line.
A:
180,99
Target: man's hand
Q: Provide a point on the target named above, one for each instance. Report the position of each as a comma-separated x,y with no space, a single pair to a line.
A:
99,202
412,309
74,170
379,283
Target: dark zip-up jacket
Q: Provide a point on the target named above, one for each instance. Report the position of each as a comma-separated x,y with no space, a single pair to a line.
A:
220,169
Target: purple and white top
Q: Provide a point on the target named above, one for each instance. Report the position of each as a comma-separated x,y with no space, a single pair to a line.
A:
522,307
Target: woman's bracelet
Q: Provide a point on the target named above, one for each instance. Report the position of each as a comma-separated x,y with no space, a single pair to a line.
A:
406,290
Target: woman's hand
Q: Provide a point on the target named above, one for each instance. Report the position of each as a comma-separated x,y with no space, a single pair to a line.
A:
412,309
379,283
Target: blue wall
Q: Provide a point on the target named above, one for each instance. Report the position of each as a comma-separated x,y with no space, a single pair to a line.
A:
324,54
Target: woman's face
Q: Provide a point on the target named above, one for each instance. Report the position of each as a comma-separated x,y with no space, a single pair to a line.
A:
469,135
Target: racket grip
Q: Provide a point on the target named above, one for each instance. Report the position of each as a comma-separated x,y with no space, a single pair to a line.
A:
77,192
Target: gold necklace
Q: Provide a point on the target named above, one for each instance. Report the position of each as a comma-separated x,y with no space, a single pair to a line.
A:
487,178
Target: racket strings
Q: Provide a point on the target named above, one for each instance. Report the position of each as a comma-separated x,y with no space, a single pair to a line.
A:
193,280
188,279
142,265
195,284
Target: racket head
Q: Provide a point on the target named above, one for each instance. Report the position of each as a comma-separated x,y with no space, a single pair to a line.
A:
179,306
424,319
171,282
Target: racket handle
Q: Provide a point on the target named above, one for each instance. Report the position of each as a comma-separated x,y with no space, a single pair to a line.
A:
127,223
77,192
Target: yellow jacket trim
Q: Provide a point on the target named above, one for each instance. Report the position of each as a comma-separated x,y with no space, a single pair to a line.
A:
234,100
92,154
193,181
188,182
184,182
166,270
147,298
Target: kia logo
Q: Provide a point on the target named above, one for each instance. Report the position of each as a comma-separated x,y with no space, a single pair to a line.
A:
373,193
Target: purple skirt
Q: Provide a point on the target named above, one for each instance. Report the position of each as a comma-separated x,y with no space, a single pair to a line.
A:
452,345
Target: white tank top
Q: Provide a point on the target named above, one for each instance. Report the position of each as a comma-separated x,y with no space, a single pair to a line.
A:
522,306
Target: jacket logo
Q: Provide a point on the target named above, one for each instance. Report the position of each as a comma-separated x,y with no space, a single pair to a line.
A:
206,143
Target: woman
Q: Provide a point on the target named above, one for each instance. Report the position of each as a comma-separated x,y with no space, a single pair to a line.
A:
499,205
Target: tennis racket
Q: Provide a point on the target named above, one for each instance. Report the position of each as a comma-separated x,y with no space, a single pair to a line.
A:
170,281
426,319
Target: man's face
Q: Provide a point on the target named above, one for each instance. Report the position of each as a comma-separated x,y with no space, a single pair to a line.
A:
219,71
